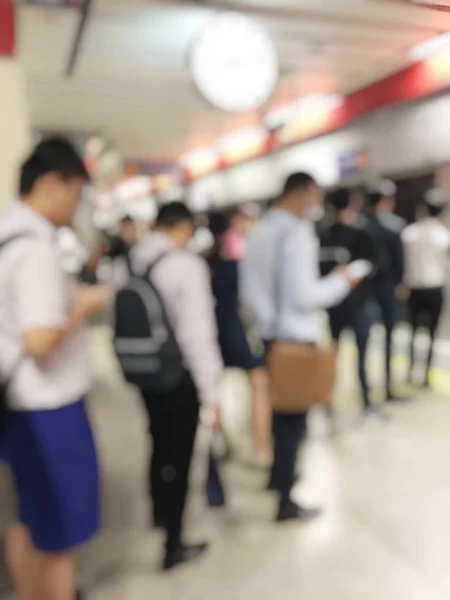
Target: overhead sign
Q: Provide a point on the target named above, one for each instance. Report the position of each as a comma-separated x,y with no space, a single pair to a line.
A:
6,28
353,163
69,3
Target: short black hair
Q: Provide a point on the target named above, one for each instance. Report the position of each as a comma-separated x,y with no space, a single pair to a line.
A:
384,189
219,223
435,201
434,211
297,182
341,199
173,214
126,220
52,155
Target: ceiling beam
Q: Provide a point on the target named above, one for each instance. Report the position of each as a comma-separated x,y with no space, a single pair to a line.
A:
78,40
292,13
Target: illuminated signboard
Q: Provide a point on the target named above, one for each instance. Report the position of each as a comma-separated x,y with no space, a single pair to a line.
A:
353,163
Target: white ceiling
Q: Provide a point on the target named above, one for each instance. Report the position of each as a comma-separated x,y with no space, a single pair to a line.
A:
131,80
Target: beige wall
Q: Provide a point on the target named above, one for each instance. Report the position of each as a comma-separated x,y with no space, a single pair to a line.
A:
15,128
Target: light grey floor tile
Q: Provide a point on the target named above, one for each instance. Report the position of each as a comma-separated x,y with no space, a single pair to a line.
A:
385,490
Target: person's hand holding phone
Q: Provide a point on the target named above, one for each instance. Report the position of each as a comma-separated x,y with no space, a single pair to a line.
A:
355,272
91,299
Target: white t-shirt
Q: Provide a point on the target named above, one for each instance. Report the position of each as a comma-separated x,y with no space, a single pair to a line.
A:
35,292
427,251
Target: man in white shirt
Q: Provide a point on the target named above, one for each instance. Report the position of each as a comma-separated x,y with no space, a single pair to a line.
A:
183,281
45,438
426,248
281,285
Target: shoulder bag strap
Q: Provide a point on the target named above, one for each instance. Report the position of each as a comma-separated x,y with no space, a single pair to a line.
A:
278,274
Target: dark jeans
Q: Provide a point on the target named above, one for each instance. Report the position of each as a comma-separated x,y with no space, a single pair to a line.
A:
360,322
173,426
425,305
387,301
289,431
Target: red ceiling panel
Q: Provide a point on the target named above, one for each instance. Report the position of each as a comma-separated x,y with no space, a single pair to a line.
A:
7,33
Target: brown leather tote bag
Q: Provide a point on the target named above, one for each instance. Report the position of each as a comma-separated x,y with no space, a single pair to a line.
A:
301,376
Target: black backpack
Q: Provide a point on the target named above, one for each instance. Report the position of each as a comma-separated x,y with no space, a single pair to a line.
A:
144,340
5,380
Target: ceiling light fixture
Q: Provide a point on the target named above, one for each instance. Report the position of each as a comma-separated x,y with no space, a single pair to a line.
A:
234,64
306,105
436,45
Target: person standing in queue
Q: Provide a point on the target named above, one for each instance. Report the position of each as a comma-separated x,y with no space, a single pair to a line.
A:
182,279
385,228
235,339
342,243
45,438
281,285
427,246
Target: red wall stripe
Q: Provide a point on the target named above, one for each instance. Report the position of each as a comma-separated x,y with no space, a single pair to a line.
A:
416,82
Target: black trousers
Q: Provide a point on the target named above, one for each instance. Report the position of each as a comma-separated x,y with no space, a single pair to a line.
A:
360,322
425,307
289,431
387,301
173,426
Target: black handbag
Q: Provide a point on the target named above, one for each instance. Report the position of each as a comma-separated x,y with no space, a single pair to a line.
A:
215,491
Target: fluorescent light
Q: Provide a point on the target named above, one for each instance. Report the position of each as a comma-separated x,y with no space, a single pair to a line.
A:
311,103
429,48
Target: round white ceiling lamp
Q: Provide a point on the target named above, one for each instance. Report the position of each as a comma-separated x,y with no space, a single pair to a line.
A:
234,64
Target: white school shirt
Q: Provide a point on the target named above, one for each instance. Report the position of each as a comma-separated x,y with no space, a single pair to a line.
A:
426,249
35,292
280,282
184,282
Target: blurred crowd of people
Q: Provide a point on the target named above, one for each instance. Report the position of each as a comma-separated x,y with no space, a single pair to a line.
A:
180,318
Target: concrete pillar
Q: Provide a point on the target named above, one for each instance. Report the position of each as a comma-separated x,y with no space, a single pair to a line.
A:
15,126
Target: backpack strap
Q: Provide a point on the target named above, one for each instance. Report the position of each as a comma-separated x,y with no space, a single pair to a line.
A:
18,363
156,262
13,238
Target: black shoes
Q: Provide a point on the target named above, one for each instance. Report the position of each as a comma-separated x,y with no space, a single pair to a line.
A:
183,554
290,511
271,487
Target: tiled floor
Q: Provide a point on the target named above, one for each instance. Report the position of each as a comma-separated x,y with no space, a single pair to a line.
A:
385,533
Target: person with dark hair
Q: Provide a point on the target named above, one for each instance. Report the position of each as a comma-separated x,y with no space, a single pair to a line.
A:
280,285
342,243
241,222
182,279
118,253
385,228
426,246
235,336
46,439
